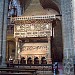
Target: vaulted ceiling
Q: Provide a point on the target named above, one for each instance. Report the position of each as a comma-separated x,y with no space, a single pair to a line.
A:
54,4
49,4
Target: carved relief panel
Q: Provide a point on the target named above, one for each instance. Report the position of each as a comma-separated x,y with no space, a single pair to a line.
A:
33,30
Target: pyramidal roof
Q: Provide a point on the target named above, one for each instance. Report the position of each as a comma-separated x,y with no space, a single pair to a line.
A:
34,8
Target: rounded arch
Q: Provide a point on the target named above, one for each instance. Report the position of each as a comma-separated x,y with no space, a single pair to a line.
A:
29,60
50,4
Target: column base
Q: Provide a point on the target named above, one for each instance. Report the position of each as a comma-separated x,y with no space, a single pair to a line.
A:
68,66
3,65
49,61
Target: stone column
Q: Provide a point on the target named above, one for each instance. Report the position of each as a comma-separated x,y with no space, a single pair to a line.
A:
67,31
1,24
19,49
49,51
4,28
16,51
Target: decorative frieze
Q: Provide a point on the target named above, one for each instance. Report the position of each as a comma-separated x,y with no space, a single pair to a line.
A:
41,21
33,17
34,47
33,30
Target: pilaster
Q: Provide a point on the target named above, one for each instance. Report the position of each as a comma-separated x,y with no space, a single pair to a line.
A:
73,11
4,25
67,31
1,23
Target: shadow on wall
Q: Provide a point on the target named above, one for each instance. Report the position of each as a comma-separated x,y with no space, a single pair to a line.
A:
0,59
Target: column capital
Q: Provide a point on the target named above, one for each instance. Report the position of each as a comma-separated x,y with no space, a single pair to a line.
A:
49,38
16,38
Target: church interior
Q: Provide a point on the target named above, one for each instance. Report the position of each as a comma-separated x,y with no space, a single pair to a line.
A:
34,32
37,37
